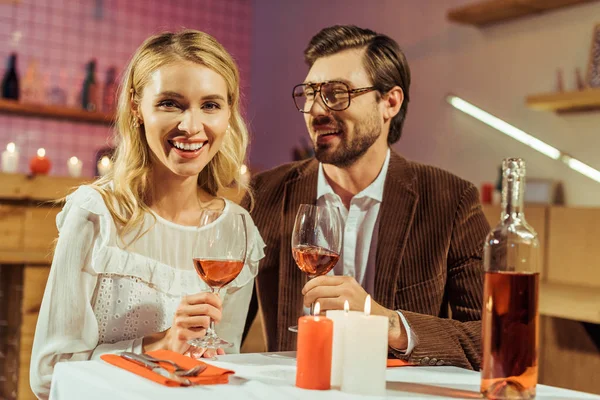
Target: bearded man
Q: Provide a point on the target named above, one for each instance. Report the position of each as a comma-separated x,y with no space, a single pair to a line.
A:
412,234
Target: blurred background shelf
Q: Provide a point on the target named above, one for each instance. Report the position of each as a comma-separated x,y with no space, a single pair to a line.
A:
55,112
572,302
36,188
570,278
583,100
483,13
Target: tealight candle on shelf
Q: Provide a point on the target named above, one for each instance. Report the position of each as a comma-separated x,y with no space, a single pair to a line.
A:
339,318
245,173
366,349
40,165
74,165
10,158
104,165
313,360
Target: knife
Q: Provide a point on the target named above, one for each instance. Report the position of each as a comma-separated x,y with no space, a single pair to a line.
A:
155,367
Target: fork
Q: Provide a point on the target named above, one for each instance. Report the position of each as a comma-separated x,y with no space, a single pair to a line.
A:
155,367
179,370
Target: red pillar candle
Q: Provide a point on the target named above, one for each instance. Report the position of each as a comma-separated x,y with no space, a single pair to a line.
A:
315,337
40,165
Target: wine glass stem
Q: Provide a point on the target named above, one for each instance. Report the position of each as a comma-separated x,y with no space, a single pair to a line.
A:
312,305
210,332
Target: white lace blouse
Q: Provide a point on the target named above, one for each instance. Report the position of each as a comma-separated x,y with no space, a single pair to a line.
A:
101,298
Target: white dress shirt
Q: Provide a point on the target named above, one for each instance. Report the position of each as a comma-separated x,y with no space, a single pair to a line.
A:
103,298
361,227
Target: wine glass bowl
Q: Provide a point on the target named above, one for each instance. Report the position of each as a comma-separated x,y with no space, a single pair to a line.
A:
219,255
218,273
313,260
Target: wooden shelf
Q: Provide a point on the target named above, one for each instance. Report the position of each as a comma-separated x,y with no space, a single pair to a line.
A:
21,187
54,112
583,100
572,302
488,12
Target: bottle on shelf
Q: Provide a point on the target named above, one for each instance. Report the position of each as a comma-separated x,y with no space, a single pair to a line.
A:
510,316
31,84
90,90
10,80
109,93
74,89
57,93
497,192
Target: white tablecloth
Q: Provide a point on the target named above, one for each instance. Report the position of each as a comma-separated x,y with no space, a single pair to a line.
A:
267,376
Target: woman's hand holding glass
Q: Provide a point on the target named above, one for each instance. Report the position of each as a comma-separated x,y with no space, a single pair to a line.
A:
191,321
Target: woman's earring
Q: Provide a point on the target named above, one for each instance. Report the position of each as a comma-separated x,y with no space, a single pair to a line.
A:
228,129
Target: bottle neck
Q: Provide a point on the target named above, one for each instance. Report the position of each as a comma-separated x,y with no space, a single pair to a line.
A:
91,72
12,63
513,188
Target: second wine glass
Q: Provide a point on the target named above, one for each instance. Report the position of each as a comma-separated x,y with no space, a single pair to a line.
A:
316,240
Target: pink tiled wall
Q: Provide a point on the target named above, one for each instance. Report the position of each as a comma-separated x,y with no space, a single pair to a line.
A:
63,35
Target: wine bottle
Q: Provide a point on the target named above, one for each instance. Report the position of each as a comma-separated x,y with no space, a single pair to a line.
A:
10,81
510,317
89,92
110,91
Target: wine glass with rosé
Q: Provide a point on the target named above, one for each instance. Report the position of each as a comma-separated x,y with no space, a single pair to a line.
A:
316,241
219,255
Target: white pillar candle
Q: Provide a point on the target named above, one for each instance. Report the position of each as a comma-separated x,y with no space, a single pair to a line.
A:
10,159
339,318
104,166
74,165
366,349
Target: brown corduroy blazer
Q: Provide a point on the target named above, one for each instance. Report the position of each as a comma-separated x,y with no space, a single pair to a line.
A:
428,260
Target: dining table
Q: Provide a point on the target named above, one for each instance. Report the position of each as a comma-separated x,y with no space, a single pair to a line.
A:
269,376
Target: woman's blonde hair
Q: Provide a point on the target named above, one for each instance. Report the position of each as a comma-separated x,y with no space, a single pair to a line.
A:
125,188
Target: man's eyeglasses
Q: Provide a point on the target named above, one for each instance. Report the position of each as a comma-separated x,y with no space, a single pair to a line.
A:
335,95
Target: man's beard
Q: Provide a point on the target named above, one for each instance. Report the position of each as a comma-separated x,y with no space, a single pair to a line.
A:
349,151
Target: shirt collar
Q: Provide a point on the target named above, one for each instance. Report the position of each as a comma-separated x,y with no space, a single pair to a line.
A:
373,191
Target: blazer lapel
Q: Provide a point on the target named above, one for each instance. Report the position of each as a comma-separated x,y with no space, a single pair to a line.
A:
396,216
300,189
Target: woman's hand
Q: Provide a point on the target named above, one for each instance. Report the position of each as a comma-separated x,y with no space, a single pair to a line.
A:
191,320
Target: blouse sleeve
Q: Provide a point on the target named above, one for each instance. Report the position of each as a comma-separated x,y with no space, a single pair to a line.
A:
67,329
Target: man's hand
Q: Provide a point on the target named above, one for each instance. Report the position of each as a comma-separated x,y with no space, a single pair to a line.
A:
332,291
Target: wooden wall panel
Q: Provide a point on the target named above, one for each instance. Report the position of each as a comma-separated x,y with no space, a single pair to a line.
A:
569,356
34,283
573,250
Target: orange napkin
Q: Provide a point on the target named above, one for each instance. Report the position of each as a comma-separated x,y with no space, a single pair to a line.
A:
210,376
394,362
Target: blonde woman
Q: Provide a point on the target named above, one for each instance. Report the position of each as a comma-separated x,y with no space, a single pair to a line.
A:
122,277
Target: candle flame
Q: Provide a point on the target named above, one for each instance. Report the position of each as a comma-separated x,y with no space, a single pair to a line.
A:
105,161
73,160
317,309
346,306
41,152
368,305
11,147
